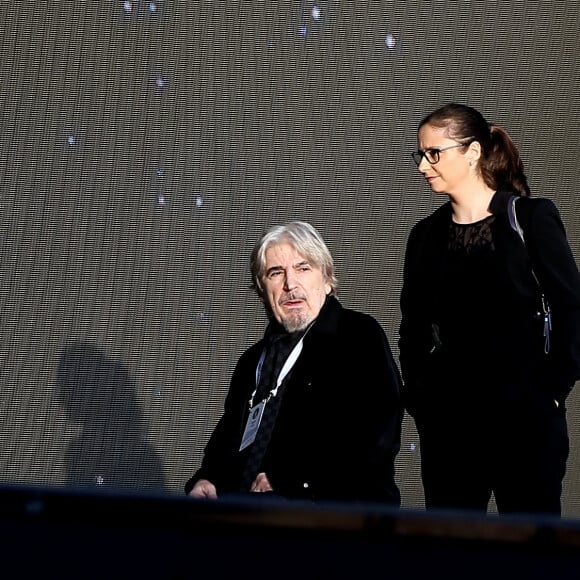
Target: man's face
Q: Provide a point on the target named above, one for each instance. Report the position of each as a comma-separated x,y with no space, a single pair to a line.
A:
294,289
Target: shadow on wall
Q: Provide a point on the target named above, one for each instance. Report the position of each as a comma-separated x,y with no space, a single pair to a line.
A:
111,450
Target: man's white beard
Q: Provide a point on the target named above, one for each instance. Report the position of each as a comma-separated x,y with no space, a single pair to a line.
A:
295,322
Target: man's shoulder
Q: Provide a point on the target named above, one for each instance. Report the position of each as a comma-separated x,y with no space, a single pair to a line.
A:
353,318
338,319
356,315
361,333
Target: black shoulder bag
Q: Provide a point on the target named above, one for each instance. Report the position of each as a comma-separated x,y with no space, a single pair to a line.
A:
546,312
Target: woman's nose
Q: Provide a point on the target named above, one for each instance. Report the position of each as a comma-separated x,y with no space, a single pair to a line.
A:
423,165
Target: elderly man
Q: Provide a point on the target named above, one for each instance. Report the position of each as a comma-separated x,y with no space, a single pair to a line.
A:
313,411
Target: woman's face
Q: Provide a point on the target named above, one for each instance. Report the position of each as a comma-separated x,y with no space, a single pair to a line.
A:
452,170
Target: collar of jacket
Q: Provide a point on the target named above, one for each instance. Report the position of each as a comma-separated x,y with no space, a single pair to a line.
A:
497,205
327,320
499,202
325,323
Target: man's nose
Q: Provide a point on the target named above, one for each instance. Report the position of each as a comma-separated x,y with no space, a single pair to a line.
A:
290,280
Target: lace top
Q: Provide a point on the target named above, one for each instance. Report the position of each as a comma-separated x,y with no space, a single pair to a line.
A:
471,238
471,293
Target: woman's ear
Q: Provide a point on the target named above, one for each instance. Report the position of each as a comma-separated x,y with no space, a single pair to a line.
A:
473,152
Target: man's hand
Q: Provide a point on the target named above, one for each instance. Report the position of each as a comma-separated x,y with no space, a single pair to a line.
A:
261,483
204,489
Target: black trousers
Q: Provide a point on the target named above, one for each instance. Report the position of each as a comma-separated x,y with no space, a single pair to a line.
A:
516,452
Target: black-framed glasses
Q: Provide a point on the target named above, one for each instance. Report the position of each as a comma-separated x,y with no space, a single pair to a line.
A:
432,154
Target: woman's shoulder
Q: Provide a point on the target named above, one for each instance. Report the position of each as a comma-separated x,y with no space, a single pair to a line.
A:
528,208
431,227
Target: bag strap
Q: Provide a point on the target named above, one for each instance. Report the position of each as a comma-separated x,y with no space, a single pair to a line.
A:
513,217
546,311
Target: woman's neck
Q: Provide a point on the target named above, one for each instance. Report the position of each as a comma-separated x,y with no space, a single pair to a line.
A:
471,205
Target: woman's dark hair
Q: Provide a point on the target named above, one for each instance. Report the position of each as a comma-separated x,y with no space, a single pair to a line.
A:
500,164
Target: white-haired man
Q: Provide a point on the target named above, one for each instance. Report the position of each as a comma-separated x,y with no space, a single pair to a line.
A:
313,411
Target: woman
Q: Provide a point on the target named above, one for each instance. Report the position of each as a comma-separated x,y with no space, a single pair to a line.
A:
486,368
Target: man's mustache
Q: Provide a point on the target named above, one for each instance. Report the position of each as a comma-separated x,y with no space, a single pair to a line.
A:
291,296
